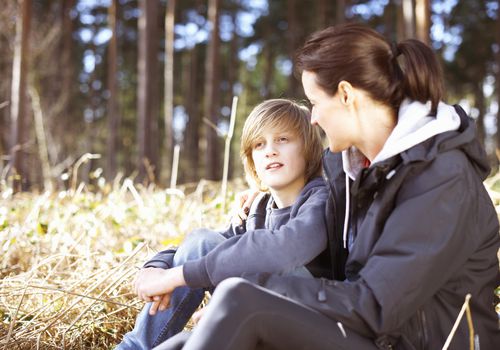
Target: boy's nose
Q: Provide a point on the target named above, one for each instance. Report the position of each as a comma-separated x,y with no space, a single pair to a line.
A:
270,150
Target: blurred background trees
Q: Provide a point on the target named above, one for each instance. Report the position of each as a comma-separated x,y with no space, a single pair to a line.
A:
126,80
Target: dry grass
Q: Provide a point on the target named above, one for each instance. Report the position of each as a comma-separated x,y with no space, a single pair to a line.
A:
68,258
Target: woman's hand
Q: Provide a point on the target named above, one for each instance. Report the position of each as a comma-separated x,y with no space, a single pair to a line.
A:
198,315
245,200
154,284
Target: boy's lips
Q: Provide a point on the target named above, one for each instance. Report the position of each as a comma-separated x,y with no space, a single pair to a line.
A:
274,165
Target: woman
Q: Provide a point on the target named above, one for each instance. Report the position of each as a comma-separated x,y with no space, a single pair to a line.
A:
420,229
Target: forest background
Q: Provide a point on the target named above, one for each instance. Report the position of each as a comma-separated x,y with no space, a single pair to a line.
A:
127,80
95,95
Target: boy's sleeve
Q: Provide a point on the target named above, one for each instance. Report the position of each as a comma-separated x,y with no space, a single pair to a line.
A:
274,251
163,260
234,230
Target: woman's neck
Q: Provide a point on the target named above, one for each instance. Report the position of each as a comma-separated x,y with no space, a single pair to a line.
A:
376,125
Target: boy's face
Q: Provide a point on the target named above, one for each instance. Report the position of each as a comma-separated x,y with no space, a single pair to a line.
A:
278,156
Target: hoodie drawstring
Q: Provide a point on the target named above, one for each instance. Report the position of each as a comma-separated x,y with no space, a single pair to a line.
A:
347,209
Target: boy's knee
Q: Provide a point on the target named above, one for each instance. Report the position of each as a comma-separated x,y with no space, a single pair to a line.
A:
196,245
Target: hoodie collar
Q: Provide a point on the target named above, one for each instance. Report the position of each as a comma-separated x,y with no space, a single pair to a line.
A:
414,126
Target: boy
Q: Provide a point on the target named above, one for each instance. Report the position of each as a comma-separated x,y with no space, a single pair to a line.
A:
283,233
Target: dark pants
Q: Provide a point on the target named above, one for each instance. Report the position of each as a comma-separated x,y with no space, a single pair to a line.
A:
244,316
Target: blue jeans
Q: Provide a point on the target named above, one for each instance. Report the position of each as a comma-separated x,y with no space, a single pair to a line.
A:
150,331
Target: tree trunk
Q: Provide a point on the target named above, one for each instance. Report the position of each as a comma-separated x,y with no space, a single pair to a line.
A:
498,85
321,14
168,142
390,18
408,11
147,96
192,134
291,43
268,72
41,137
67,81
423,20
400,21
232,78
4,130
113,114
268,64
91,121
341,7
18,111
212,160
480,105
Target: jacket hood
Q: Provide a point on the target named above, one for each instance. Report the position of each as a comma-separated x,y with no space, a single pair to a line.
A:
420,136
317,181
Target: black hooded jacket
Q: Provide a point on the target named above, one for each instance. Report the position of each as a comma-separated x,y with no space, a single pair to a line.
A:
425,234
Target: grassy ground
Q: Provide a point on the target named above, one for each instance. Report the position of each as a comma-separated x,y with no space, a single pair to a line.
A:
68,258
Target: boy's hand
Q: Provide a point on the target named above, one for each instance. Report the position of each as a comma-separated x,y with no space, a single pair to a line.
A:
159,303
155,282
245,200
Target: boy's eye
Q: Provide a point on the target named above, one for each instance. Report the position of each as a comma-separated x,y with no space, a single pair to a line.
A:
258,145
282,139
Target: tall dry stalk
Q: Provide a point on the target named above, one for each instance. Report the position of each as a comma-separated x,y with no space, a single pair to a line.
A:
227,149
175,167
40,136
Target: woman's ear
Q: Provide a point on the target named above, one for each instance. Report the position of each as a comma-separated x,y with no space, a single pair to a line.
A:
346,92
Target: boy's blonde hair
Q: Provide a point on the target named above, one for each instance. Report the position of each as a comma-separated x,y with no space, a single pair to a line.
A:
281,114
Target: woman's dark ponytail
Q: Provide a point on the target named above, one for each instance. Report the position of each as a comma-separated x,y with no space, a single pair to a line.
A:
421,72
360,55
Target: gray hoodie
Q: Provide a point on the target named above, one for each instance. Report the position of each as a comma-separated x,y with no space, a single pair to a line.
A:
288,238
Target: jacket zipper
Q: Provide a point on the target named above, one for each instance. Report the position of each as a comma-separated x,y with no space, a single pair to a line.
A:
332,199
322,291
423,336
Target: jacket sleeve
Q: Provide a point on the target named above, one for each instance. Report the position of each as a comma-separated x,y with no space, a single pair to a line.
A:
234,230
163,259
430,234
294,244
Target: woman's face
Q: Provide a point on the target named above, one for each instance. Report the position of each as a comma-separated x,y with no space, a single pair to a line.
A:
329,113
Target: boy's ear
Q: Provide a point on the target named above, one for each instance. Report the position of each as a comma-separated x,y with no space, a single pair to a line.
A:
346,92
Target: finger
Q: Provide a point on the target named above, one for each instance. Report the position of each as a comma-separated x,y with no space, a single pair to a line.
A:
236,220
245,208
154,308
243,213
164,302
144,297
198,315
241,197
136,285
137,282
